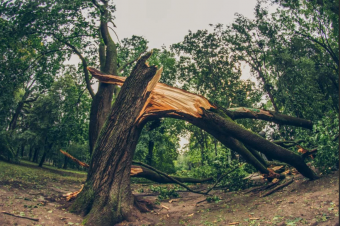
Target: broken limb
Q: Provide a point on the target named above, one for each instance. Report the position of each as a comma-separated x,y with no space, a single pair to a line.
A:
174,98
243,112
183,185
151,174
29,218
288,144
277,188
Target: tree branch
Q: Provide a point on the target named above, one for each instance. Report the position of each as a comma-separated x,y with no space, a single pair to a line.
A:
83,60
120,69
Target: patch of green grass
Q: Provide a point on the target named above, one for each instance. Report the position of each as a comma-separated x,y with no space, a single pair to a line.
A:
54,168
24,174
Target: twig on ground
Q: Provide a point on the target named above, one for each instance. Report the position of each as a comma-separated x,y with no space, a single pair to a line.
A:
277,188
29,218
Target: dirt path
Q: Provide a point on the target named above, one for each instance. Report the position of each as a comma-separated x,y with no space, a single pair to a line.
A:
301,203
31,192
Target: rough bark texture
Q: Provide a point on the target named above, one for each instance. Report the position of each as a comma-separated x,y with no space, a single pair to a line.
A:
102,101
106,197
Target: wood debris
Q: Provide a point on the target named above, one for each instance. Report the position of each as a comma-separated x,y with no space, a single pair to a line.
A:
72,195
29,218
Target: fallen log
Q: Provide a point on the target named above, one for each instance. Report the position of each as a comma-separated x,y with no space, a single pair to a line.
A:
139,171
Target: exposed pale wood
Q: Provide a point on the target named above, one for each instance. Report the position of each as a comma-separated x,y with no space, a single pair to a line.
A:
72,195
164,98
135,170
75,160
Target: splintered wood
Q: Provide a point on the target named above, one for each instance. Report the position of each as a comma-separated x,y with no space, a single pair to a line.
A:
83,164
135,170
163,98
72,195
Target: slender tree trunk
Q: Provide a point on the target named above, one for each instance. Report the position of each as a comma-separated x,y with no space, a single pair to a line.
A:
30,153
150,153
47,148
102,101
36,154
42,160
65,162
22,150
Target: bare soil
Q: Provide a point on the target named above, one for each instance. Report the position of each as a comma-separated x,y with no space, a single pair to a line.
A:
303,202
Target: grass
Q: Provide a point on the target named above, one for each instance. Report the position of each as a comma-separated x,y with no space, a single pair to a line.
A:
52,167
32,175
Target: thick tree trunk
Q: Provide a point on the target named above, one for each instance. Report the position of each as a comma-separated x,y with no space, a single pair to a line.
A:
107,189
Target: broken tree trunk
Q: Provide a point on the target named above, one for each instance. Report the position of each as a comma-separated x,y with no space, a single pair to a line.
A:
166,101
106,198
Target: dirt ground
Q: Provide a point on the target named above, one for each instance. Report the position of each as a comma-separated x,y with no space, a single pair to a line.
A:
27,191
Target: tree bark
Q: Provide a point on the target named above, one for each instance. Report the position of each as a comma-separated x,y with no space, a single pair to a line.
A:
107,189
102,101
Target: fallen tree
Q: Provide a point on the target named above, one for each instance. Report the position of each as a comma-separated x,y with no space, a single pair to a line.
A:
106,198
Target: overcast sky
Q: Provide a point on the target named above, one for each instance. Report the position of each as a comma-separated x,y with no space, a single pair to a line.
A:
164,22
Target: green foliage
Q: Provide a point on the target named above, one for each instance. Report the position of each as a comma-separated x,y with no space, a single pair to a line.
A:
214,199
165,192
32,175
327,157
